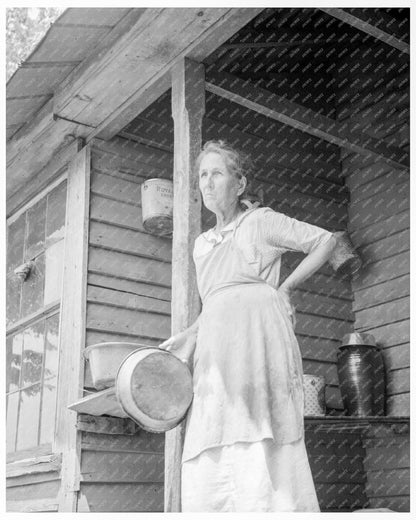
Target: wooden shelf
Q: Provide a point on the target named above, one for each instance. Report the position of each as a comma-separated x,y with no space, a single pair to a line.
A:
352,424
104,402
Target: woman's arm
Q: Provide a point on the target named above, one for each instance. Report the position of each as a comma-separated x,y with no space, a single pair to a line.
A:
311,263
183,343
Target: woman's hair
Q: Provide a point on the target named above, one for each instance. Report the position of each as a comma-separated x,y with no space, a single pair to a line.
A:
237,162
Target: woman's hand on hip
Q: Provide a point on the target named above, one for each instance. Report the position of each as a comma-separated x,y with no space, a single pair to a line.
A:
286,295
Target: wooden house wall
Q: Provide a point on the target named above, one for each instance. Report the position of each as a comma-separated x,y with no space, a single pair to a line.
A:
379,223
128,299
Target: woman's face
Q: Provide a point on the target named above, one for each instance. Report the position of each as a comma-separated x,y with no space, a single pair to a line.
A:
220,188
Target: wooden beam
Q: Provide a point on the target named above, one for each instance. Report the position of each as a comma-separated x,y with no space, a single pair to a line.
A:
188,107
72,326
35,145
136,51
145,93
368,29
280,109
278,45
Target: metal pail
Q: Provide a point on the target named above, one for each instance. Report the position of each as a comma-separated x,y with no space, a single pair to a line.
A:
157,206
154,388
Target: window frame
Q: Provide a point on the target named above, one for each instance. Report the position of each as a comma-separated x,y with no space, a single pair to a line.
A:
50,309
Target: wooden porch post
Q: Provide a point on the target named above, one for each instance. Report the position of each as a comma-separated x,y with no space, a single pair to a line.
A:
188,106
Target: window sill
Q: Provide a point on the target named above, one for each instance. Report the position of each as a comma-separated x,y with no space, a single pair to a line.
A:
34,465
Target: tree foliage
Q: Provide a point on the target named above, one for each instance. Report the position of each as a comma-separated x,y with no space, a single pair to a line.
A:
25,27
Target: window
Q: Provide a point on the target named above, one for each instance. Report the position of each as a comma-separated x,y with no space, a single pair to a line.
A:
32,318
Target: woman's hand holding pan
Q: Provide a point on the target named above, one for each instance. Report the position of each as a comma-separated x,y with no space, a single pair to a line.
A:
182,345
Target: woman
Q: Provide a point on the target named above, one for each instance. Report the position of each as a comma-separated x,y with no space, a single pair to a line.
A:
244,446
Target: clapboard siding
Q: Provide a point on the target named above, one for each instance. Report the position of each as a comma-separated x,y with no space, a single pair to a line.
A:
387,462
33,492
128,299
336,462
379,223
122,472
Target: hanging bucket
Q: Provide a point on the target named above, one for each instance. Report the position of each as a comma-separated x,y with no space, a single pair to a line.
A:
344,259
314,392
157,206
154,388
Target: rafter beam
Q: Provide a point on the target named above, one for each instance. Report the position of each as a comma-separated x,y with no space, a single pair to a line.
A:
368,29
280,109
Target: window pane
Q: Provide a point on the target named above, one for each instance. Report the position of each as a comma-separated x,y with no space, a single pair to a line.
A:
35,238
15,242
11,421
54,261
27,434
33,287
13,292
33,341
14,346
50,379
55,214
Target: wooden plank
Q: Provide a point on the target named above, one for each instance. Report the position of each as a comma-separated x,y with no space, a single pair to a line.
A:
292,114
116,188
103,402
397,356
398,381
389,334
377,231
110,440
125,321
341,495
103,261
106,425
127,300
365,182
33,478
388,482
141,56
188,107
52,172
393,201
385,312
32,505
221,31
41,464
121,467
34,145
389,246
395,457
398,404
382,293
367,28
129,286
122,155
318,349
38,491
387,269
95,336
133,497
395,503
72,325
104,209
129,241
317,367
